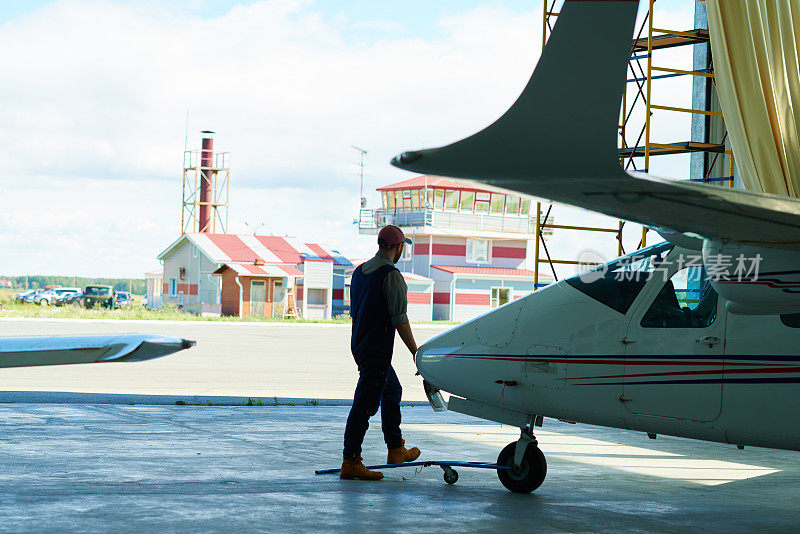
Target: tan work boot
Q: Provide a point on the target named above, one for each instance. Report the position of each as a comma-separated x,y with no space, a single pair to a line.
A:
401,454
355,469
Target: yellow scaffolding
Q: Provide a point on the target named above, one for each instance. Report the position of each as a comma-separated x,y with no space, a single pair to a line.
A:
643,147
659,39
543,224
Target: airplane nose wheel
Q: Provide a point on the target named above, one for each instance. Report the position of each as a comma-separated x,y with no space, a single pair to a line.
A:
526,477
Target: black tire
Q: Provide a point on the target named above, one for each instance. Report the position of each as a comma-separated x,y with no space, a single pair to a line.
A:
450,475
531,473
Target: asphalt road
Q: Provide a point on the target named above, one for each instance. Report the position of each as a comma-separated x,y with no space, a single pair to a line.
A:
260,360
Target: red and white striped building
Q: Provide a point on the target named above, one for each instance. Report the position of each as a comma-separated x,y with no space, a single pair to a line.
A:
243,275
470,243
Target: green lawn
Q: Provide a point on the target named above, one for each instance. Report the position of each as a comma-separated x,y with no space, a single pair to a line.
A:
9,308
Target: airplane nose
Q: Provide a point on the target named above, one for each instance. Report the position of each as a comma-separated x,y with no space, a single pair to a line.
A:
434,358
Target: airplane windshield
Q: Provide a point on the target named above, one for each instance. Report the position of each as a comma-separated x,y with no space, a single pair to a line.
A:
617,284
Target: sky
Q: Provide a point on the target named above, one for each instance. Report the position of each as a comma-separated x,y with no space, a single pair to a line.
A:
96,93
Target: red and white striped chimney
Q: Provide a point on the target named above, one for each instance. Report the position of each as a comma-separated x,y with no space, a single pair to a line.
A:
206,182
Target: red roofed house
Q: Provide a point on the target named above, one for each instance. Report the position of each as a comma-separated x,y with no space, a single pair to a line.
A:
245,275
471,242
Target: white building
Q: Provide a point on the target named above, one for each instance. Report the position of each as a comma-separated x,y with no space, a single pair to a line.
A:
272,276
470,242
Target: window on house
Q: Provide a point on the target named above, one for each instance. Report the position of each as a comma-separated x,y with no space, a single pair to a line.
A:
173,287
498,203
317,297
477,250
512,205
386,201
500,296
482,202
398,200
467,201
438,199
451,200
526,206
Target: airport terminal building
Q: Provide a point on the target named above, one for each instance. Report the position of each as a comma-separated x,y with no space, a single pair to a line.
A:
470,244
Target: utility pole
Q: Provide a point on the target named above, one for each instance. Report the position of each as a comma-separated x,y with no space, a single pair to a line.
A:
362,201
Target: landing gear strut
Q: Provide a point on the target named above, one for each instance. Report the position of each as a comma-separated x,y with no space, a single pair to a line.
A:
528,466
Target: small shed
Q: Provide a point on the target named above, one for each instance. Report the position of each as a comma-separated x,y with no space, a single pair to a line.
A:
155,282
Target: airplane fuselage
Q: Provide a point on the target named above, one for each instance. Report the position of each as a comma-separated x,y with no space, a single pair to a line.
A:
588,355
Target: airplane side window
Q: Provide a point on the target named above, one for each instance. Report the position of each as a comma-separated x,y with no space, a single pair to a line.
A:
617,284
792,320
687,300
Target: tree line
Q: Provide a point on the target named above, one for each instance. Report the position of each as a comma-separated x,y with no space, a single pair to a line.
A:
137,286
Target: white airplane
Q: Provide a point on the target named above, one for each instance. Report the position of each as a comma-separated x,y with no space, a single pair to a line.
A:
659,341
60,350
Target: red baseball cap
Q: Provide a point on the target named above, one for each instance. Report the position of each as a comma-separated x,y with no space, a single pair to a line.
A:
393,235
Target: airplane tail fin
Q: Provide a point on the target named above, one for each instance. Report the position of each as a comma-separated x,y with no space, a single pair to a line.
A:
564,124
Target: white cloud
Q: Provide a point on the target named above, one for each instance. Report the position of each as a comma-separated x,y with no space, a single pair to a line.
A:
95,96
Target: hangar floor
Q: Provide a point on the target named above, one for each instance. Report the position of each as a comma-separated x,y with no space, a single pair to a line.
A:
74,456
102,467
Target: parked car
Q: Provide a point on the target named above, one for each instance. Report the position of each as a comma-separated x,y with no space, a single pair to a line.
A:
72,297
49,297
123,299
31,296
100,295
22,296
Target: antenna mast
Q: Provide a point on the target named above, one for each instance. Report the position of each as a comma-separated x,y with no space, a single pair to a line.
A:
361,199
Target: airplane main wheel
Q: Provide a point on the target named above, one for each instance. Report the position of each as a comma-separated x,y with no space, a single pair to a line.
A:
528,476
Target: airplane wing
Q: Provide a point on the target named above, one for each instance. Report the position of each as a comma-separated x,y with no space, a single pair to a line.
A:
59,350
559,141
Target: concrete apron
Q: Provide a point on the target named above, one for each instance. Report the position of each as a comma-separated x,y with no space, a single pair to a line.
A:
89,467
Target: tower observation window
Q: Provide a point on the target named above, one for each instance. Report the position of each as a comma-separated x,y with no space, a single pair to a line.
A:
512,205
451,200
498,203
467,201
438,199
482,202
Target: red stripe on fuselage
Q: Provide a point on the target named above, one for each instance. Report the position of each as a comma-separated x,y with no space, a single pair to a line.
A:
705,372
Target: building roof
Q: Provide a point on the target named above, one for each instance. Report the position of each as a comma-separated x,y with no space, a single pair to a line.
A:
429,181
269,249
413,277
265,271
499,272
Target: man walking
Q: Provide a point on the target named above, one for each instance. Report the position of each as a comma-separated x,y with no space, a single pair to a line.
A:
378,303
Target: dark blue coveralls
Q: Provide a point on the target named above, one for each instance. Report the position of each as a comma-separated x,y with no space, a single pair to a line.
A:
371,343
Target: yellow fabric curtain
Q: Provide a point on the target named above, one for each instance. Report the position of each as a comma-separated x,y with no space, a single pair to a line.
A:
754,45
